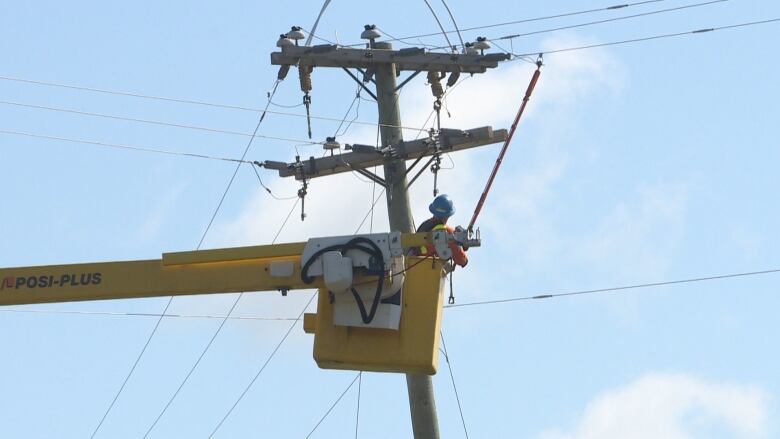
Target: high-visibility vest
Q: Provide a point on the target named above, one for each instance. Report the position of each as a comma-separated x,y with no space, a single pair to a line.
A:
424,248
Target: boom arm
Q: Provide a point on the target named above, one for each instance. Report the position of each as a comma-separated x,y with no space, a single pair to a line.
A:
256,268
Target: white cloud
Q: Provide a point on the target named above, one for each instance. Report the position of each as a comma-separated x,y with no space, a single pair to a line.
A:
644,230
672,406
160,212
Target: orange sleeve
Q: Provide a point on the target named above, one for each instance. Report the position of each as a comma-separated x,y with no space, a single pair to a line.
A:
458,255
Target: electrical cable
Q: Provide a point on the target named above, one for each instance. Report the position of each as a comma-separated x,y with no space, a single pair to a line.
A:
170,299
526,20
122,146
335,403
443,32
132,369
267,189
317,21
377,257
238,166
190,101
454,386
138,314
616,289
608,20
357,411
268,360
192,369
454,23
213,337
154,122
654,37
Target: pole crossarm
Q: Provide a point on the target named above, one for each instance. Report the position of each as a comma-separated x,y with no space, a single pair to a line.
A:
366,156
413,58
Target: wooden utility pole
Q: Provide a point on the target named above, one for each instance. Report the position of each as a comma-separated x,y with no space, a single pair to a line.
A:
422,403
379,63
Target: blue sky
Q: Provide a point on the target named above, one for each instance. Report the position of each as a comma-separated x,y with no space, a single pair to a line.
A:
639,163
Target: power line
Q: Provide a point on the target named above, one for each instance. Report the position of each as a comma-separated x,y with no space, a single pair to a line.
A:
443,32
454,23
123,146
238,166
213,337
608,20
454,386
616,289
262,368
155,122
170,299
139,314
191,101
132,369
527,20
332,406
194,366
267,189
654,37
357,411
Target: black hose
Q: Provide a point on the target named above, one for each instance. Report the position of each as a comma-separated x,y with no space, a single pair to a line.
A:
352,244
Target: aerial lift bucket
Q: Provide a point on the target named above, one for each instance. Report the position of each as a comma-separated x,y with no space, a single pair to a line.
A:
413,348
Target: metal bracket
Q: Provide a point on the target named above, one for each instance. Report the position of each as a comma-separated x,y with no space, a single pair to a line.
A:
360,83
408,78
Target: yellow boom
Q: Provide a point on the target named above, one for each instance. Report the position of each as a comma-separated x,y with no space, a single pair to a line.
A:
411,347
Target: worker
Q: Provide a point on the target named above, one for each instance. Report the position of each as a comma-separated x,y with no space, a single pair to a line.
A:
442,209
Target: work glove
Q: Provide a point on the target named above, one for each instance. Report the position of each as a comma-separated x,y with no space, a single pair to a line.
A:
449,267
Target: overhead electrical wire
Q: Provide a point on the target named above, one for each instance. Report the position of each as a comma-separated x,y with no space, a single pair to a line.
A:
123,146
607,20
216,333
357,410
262,368
654,37
443,32
525,20
454,386
138,314
335,403
267,189
454,23
192,102
154,122
170,299
619,289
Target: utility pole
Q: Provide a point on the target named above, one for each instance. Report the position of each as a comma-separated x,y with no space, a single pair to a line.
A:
422,405
379,63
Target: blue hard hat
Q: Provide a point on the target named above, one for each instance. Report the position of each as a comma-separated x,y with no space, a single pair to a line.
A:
442,206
